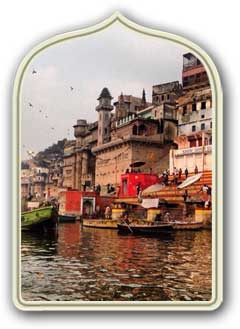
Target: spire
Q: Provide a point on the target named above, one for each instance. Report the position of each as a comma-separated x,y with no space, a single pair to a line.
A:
121,98
105,94
143,97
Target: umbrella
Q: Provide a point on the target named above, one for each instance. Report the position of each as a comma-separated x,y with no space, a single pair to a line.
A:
190,181
137,164
153,188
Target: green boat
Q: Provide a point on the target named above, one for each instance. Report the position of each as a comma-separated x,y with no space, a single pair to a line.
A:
40,219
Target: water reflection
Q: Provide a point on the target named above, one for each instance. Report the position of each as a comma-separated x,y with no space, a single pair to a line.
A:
93,264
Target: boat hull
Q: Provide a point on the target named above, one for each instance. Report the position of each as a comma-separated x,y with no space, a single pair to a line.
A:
101,223
41,219
66,218
188,226
145,229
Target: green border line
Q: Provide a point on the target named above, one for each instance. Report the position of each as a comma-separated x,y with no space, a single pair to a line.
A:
217,226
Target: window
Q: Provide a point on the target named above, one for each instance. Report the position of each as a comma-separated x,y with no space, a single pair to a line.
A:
202,126
142,130
200,142
203,105
193,128
105,131
135,130
211,124
194,107
155,114
162,97
168,96
193,143
184,109
185,81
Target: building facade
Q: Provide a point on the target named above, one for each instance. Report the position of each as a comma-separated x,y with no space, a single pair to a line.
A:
194,116
174,130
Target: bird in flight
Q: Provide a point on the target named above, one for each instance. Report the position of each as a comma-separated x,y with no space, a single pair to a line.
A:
30,104
71,88
34,72
52,128
40,111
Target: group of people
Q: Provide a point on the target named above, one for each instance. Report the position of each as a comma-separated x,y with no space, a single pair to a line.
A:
176,175
110,188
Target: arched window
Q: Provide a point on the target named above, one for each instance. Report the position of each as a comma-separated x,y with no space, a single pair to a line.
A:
142,130
135,130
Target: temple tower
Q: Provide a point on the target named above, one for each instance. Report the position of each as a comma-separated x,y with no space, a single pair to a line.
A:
104,109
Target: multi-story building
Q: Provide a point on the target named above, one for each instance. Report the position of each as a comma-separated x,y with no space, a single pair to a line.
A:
33,181
178,122
194,108
136,130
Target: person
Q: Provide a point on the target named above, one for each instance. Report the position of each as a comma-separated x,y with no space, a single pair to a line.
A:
98,188
127,170
158,218
196,170
108,188
207,204
125,218
107,212
180,173
209,191
167,217
112,189
186,173
185,196
138,188
204,188
176,177
166,179
30,196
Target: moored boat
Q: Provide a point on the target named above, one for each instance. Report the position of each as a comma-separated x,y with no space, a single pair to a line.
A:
145,229
101,223
67,218
187,225
40,219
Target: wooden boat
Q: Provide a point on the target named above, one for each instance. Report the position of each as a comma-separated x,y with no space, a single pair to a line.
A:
187,225
41,219
145,229
101,223
66,218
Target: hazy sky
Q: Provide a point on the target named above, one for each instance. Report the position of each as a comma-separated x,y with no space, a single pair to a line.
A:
117,58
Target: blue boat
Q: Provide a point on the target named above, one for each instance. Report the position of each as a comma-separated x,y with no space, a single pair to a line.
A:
66,218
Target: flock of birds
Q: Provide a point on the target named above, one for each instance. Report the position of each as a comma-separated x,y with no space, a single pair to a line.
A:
31,106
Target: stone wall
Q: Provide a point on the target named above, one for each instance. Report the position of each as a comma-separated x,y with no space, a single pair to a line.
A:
115,161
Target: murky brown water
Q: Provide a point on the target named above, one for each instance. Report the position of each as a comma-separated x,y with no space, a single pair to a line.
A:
92,265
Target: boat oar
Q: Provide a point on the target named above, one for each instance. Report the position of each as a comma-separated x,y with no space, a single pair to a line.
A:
128,226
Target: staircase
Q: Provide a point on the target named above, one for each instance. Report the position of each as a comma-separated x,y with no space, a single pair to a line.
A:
171,194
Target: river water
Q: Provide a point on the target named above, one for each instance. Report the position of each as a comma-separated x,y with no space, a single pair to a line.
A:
100,265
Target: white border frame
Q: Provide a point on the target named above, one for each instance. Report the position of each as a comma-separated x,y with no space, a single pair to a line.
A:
217,226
